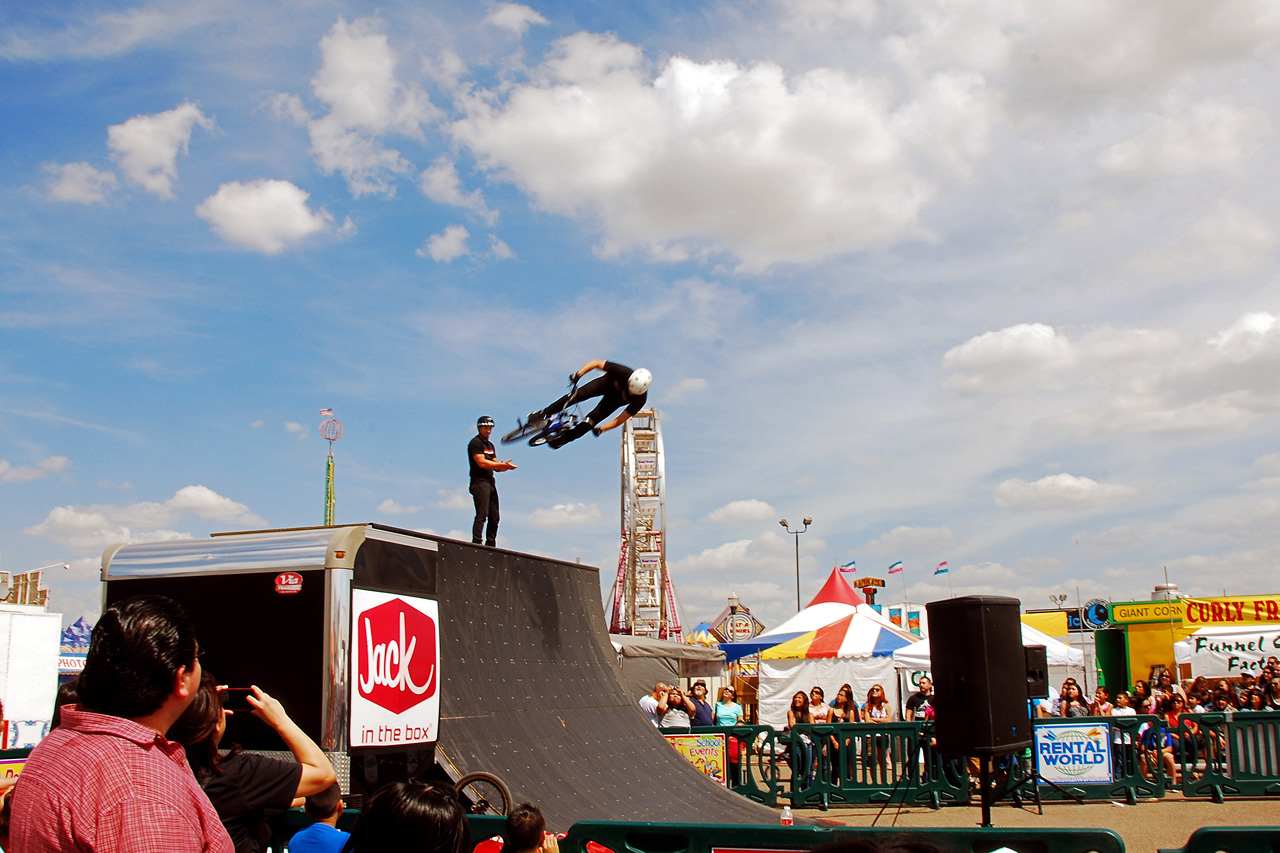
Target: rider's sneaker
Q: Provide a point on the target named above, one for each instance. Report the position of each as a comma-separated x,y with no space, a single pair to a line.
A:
536,418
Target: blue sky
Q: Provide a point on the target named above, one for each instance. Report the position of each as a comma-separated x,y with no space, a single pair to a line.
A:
978,282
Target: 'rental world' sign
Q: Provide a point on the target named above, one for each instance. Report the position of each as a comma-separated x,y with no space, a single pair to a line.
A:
395,669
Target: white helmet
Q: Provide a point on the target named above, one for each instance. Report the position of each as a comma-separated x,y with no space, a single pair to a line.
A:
639,381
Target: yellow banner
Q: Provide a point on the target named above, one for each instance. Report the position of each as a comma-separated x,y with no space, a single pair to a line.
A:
1236,610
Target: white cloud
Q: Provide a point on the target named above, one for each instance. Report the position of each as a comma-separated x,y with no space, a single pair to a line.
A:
1224,238
288,107
1026,353
1060,491
736,512
147,146
106,34
10,473
80,183
1207,136
265,216
297,429
912,539
720,157
440,183
684,388
357,81
565,515
499,250
453,499
515,18
390,507
95,527
447,246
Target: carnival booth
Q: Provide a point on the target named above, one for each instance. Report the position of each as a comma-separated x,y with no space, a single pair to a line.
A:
1228,652
837,639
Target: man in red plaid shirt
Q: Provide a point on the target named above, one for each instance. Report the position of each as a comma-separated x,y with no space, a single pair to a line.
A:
107,780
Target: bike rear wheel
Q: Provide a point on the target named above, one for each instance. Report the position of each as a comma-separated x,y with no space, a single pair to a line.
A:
484,793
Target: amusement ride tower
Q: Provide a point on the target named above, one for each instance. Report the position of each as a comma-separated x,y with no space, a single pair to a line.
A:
644,601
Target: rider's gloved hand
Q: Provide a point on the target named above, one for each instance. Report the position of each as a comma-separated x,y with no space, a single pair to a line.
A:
596,431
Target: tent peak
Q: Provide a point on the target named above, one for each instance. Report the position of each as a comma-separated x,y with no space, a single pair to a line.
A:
837,590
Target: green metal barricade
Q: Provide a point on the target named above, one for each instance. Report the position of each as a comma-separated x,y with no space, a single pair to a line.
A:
1234,754
860,763
620,837
1232,839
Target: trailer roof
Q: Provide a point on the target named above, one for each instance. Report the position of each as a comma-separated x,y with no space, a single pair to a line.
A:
259,551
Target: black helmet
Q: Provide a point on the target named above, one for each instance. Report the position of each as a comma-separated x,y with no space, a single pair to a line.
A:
485,420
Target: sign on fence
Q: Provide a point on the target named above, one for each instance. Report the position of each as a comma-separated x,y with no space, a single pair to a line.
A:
1074,753
704,751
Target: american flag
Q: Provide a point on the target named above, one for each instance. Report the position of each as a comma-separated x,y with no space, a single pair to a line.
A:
326,413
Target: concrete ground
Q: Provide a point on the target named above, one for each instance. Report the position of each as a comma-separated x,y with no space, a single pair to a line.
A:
1149,826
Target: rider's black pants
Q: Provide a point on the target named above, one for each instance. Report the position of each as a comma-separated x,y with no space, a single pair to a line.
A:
602,387
485,495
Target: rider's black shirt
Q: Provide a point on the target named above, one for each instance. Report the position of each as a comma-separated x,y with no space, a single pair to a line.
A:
617,395
480,445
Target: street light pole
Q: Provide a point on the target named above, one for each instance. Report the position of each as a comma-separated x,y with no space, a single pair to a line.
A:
796,533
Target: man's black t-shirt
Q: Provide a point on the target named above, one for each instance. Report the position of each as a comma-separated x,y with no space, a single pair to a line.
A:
917,703
482,446
619,374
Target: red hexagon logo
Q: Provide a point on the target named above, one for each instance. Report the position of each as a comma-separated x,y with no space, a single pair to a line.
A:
397,649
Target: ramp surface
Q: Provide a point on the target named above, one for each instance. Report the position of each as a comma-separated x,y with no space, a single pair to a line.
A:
530,694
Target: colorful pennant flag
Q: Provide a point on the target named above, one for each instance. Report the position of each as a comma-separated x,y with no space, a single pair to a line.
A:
851,566
942,568
896,567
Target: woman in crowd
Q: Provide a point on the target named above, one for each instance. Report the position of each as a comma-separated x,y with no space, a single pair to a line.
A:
1163,687
1253,700
1101,706
728,712
1070,702
1141,699
680,710
844,710
801,744
1177,746
244,787
411,817
877,710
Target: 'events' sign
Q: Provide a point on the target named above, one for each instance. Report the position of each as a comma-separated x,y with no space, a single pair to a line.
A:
395,669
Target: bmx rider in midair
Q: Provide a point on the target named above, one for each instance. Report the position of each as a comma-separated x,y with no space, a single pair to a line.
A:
619,386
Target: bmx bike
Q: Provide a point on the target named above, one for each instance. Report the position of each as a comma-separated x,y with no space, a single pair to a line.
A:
555,424
484,793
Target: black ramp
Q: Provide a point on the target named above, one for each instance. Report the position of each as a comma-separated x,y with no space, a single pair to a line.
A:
530,694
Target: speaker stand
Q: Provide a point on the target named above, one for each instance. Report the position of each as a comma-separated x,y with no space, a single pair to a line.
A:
989,794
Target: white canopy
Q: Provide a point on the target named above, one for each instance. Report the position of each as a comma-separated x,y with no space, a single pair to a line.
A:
916,655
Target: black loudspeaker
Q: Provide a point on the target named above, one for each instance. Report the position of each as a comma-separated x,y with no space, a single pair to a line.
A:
979,676
1037,672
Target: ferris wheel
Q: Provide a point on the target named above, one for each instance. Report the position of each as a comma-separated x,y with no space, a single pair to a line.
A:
644,600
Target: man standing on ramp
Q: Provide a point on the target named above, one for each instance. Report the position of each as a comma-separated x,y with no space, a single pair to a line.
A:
484,490
619,386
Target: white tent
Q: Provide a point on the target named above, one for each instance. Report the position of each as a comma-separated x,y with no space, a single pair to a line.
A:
1228,652
838,638
1059,654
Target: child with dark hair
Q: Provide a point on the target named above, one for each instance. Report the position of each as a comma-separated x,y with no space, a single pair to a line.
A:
323,836
527,832
411,817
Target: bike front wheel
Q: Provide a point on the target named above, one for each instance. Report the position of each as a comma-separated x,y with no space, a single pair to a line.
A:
484,793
